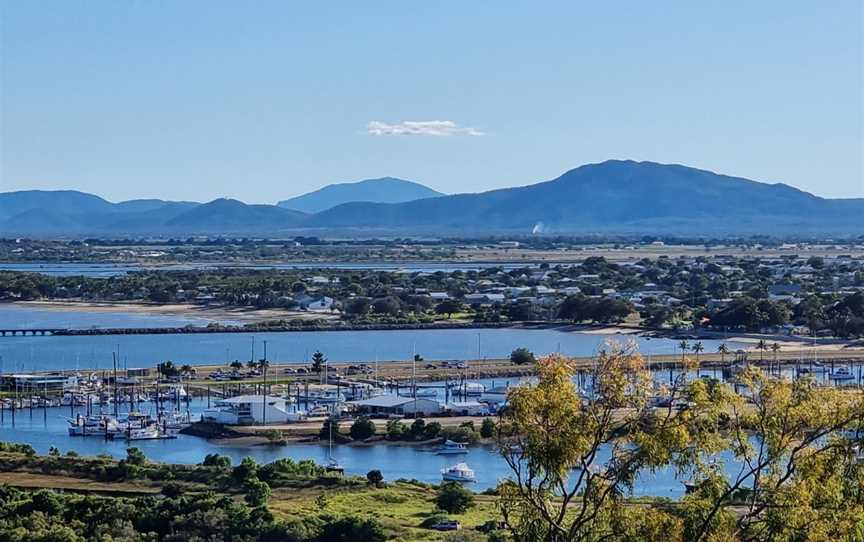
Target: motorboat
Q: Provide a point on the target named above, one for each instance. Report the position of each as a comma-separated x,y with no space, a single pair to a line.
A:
452,448
842,373
460,472
94,426
473,389
150,432
426,393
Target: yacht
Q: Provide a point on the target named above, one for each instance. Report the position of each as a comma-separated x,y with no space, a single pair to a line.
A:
94,426
473,389
460,472
150,432
451,448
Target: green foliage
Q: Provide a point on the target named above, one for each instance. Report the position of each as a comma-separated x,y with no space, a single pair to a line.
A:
454,498
374,477
257,492
216,460
522,356
396,430
245,471
318,361
135,456
487,428
362,428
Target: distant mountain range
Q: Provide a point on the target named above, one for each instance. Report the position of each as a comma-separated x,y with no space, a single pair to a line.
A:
383,190
611,197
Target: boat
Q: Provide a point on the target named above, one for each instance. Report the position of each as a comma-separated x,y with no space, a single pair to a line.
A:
842,373
451,448
150,432
426,393
94,426
473,389
332,464
460,472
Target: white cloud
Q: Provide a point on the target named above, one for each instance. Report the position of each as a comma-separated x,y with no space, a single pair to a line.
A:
421,127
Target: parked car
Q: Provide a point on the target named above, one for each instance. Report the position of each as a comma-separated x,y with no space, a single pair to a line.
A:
448,525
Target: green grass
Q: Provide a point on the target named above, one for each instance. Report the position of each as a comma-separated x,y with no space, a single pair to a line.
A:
400,507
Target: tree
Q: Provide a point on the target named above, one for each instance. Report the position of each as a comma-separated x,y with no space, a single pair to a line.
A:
796,474
351,529
257,492
358,306
216,460
134,456
236,365
684,346
549,432
362,428
386,305
318,361
723,350
395,430
761,346
453,498
487,428
245,471
417,428
449,307
375,477
522,356
697,348
167,369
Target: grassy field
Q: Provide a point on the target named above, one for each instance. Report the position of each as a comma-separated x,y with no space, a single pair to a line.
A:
400,507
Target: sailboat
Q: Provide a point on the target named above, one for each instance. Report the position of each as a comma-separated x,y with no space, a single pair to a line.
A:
332,464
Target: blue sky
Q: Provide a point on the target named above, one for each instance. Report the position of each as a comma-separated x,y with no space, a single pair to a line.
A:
265,100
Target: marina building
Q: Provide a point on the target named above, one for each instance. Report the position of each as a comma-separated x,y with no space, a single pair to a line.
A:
250,410
394,405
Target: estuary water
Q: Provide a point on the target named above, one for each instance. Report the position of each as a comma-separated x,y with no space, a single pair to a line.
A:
39,353
45,428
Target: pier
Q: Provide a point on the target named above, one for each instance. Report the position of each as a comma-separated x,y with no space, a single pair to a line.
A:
33,331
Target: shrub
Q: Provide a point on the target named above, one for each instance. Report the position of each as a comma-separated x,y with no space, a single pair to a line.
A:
362,428
257,492
216,460
352,528
521,356
172,490
453,498
395,430
135,456
460,434
375,477
432,430
246,470
487,428
418,428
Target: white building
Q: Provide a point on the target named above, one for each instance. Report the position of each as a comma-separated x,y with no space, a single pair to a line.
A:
395,405
468,408
251,409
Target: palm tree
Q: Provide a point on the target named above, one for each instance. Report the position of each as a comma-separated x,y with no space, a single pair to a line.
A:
723,350
697,347
761,346
684,347
775,348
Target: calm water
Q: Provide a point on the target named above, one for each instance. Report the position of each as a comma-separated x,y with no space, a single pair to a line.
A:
28,317
47,427
69,352
105,270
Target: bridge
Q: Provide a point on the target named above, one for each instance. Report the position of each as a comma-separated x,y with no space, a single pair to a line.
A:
32,331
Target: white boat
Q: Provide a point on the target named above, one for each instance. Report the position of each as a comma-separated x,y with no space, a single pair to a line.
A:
151,432
843,373
460,472
451,448
427,393
473,389
94,426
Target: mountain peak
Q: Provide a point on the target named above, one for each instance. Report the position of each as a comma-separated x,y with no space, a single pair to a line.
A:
381,190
